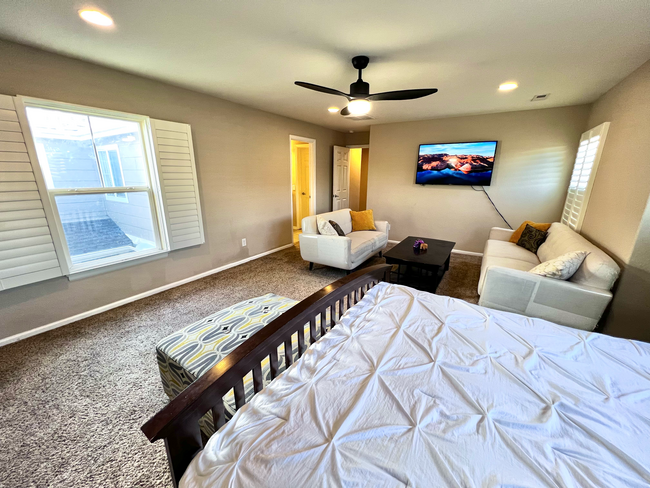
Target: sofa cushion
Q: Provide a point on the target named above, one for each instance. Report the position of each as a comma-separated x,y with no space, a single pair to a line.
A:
376,238
505,249
360,246
597,270
510,263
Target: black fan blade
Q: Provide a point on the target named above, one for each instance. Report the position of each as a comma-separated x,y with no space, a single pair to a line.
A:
322,89
345,111
402,94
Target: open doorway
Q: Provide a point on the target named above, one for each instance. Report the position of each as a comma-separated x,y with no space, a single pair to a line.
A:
303,182
358,177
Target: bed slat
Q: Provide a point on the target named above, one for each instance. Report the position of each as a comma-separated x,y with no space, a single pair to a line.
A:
288,353
258,379
323,320
240,397
218,415
313,333
273,356
301,342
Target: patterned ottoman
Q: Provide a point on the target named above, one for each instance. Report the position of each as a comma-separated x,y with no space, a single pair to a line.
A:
193,350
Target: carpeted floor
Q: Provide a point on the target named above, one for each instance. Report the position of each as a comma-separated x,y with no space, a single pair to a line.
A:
72,400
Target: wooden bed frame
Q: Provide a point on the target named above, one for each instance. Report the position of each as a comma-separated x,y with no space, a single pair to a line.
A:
178,422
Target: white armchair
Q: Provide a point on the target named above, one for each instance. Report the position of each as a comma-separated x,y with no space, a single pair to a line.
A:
337,251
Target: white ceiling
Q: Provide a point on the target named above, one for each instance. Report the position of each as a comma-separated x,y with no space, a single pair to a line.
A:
252,51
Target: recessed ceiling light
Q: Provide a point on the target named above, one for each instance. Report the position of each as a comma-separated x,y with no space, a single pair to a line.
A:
96,17
510,85
333,110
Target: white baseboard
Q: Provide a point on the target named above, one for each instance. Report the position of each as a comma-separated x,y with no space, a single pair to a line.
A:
457,251
124,301
469,253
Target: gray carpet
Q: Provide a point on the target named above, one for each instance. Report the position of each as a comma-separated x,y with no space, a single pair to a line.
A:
72,400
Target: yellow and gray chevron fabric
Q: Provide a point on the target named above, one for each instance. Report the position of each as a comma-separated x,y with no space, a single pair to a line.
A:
193,350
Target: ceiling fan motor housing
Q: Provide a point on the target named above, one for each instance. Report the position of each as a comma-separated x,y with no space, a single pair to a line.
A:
359,89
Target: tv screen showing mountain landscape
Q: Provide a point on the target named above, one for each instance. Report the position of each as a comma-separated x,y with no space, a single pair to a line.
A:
465,163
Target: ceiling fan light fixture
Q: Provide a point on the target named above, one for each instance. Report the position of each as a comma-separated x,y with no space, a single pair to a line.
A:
359,107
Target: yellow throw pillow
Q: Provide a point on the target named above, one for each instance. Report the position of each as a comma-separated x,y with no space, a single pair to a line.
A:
362,220
517,234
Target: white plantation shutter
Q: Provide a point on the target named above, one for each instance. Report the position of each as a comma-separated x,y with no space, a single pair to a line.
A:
178,183
27,253
584,173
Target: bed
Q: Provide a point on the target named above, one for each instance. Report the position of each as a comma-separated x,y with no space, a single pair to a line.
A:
415,389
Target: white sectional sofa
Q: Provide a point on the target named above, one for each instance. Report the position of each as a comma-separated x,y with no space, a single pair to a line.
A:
506,284
337,251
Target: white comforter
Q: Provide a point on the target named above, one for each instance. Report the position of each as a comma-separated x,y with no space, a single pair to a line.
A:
414,389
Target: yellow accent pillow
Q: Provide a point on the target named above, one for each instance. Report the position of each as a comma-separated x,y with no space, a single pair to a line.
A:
362,220
517,234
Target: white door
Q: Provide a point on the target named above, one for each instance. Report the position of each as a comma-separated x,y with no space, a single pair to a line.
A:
341,179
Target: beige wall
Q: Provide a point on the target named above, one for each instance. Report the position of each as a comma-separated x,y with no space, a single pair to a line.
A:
243,164
533,164
622,184
357,138
618,215
630,308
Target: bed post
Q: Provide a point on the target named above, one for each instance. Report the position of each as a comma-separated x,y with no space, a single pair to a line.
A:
181,445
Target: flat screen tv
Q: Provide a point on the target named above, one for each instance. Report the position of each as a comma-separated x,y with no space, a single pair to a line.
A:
461,163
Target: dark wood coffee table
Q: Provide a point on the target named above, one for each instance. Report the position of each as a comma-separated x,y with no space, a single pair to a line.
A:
424,269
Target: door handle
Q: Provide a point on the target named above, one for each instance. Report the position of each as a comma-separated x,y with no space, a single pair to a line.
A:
335,196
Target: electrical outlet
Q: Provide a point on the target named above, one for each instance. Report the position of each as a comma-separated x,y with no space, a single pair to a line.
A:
243,242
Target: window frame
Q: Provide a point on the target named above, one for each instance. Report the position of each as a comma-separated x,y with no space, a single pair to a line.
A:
114,197
576,177
48,195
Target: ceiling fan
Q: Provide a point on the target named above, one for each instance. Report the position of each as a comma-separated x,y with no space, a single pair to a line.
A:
360,96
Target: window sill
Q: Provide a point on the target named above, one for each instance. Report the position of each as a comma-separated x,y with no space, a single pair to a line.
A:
88,273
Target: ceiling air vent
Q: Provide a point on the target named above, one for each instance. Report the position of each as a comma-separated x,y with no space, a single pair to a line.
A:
359,117
539,98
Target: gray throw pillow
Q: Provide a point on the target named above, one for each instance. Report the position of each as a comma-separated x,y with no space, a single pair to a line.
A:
531,238
337,228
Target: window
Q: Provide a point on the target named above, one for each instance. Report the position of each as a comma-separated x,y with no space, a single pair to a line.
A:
84,190
111,167
98,175
583,176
